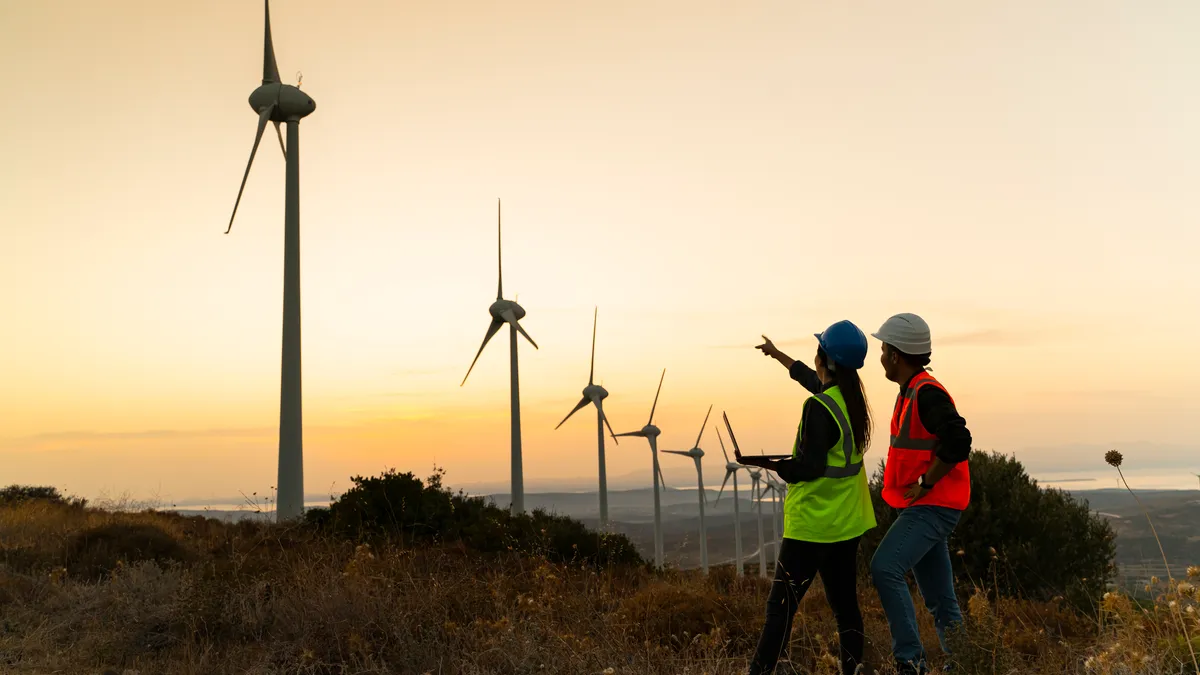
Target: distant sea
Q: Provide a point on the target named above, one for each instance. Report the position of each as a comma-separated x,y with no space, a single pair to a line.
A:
1148,479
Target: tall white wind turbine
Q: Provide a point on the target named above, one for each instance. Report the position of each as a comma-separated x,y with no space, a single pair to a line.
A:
731,469
508,312
756,494
281,103
595,394
697,454
650,433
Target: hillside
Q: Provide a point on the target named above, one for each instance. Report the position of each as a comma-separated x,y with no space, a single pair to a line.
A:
87,591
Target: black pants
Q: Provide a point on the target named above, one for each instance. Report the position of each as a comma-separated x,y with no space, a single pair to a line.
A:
799,563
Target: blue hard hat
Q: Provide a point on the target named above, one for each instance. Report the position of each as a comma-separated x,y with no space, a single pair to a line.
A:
845,344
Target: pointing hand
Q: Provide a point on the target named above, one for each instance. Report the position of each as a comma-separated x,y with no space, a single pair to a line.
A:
767,347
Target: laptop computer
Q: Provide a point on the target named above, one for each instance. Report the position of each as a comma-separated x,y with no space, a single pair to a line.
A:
733,439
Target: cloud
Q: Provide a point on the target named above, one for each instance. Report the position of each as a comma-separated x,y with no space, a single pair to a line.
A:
152,434
750,344
987,337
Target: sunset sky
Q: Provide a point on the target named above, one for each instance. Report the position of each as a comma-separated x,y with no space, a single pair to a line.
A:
1023,174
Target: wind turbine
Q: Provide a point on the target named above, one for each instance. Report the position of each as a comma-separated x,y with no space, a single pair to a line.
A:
278,103
650,433
779,491
508,311
697,454
595,394
731,469
755,479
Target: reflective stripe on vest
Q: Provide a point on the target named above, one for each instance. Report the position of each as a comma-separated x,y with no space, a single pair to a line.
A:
907,404
849,467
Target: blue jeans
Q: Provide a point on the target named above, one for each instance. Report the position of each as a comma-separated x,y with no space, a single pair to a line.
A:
917,542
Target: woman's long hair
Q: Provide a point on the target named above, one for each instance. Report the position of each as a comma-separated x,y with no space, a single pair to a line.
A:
855,396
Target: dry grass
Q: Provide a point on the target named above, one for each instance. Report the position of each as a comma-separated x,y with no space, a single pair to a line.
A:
253,598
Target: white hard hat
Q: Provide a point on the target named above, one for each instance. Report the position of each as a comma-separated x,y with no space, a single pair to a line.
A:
906,332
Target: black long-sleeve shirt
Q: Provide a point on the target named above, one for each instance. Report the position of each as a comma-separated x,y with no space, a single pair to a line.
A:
819,430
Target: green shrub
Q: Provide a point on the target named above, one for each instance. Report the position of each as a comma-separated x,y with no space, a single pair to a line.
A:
399,505
1046,543
95,552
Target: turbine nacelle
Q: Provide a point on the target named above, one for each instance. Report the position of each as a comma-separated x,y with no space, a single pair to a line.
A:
595,393
290,103
500,307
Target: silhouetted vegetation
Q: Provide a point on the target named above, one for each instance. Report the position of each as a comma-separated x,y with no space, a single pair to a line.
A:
98,551
1020,539
400,506
14,494
161,593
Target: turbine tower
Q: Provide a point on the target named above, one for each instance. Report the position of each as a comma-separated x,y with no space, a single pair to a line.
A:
278,103
508,311
650,433
697,454
731,469
595,394
755,491
778,491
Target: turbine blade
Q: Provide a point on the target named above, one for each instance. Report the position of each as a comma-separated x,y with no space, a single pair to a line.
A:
491,332
632,433
522,332
262,124
270,68
677,452
510,317
592,370
574,410
610,429
723,450
499,256
653,407
728,473
280,135
661,479
701,434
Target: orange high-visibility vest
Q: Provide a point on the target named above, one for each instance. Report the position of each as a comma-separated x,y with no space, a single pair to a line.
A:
911,454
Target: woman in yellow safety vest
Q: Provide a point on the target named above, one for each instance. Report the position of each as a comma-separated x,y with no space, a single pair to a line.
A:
828,504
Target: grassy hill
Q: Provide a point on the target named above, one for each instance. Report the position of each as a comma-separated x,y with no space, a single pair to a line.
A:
87,591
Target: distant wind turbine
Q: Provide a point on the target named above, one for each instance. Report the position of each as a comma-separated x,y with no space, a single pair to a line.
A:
755,479
650,433
278,103
731,469
508,311
778,490
595,394
697,454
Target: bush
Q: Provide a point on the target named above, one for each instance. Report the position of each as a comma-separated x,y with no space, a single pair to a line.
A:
16,494
96,552
399,505
1018,538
